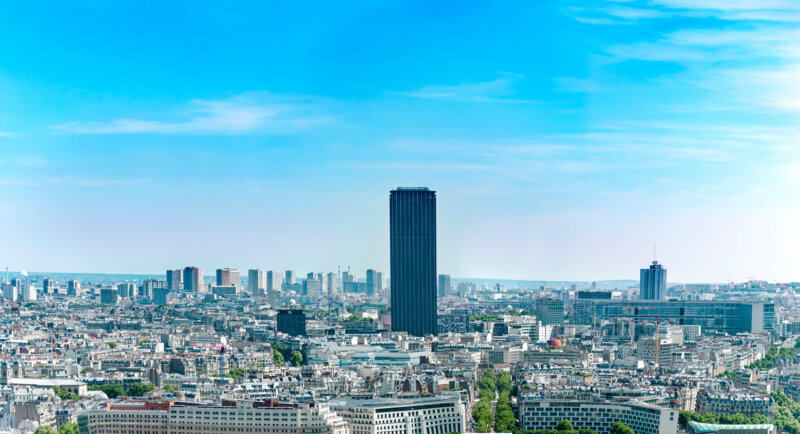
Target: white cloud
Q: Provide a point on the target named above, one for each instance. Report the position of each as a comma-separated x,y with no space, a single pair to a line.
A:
498,90
244,114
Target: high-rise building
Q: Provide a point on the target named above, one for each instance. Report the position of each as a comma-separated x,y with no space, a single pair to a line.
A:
333,283
313,284
444,285
126,290
274,280
653,282
292,322
174,280
149,286
48,285
109,296
228,277
549,311
289,277
381,281
73,288
412,239
256,281
193,279
372,282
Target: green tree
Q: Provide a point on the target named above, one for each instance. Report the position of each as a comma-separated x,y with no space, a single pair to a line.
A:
277,358
587,431
112,345
237,373
45,430
504,382
139,389
565,425
170,388
296,359
111,390
620,428
68,428
488,380
65,394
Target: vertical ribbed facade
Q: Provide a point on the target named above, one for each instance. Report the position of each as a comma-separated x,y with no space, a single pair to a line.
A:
412,238
653,282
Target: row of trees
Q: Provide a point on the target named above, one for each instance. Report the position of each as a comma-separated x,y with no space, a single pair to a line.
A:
67,428
688,416
115,390
773,354
566,427
482,412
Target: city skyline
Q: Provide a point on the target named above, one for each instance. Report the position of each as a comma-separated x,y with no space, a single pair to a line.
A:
564,142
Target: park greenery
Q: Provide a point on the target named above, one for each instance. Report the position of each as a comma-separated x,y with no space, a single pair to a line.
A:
66,428
115,390
787,415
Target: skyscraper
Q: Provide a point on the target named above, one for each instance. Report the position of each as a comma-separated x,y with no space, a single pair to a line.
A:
372,282
289,277
412,239
228,277
653,282
174,280
274,280
333,283
256,281
444,285
193,279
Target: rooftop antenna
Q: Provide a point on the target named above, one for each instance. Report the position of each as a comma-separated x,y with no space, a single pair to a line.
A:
654,253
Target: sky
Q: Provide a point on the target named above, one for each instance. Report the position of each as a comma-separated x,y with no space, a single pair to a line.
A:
564,139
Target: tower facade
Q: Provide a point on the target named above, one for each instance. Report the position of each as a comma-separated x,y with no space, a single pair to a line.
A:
653,282
412,239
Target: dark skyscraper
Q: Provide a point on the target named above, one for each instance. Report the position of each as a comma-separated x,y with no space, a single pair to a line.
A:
653,282
412,237
292,322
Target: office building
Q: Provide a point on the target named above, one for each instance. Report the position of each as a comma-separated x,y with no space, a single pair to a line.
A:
149,286
256,281
274,280
312,286
174,280
109,296
381,281
536,413
653,282
228,277
161,296
10,292
48,286
550,311
412,238
193,280
289,277
73,288
372,282
593,295
292,322
444,285
169,417
414,415
332,283
722,316
126,290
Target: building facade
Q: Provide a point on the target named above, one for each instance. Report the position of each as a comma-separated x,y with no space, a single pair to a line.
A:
402,416
541,414
412,239
292,322
653,282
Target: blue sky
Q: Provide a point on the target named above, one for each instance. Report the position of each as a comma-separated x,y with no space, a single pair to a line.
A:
564,138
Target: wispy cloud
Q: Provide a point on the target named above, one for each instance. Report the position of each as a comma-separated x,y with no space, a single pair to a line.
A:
244,114
6,134
76,182
499,90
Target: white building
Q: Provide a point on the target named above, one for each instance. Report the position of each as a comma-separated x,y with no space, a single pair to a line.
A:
389,416
537,414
